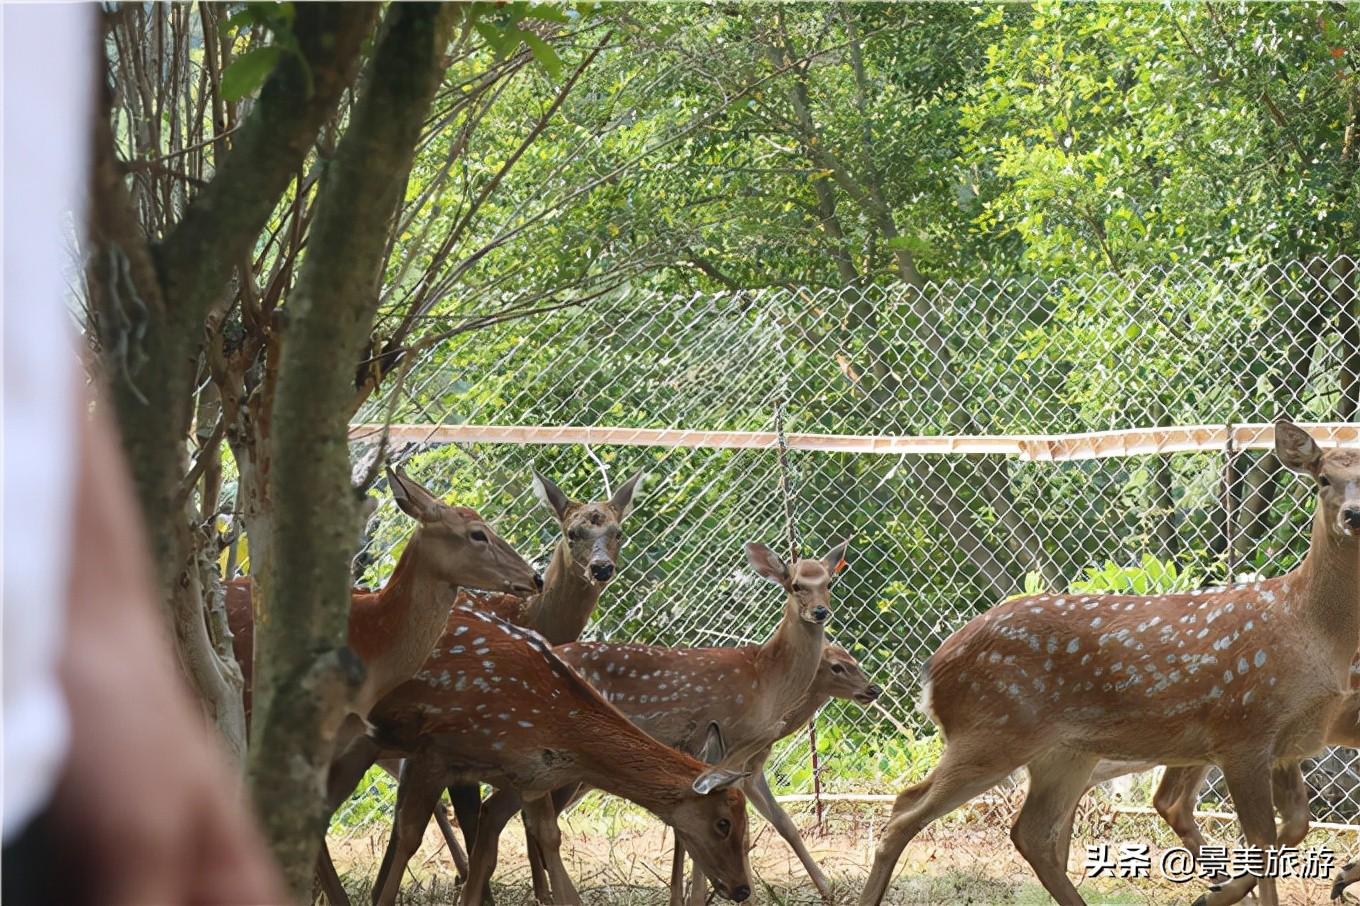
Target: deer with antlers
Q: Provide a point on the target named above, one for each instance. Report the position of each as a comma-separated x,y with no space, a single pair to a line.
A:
676,695
1245,678
496,704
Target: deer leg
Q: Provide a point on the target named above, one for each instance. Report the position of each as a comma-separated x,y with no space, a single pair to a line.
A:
1291,801
698,885
538,873
760,796
482,863
540,815
1251,796
678,874
496,812
329,879
466,799
1057,781
460,862
965,770
1175,800
563,798
417,796
341,779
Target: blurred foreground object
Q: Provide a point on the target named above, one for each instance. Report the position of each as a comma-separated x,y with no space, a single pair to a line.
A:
114,790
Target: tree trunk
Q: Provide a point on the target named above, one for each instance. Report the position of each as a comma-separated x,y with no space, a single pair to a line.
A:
150,303
304,672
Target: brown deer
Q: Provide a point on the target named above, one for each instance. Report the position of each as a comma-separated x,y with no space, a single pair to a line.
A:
583,563
838,676
393,630
1243,678
496,704
674,694
1178,791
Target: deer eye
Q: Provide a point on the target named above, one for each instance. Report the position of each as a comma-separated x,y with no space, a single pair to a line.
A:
1324,481
724,826
797,586
837,668
478,535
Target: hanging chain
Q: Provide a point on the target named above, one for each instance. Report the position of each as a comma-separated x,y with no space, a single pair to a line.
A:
784,488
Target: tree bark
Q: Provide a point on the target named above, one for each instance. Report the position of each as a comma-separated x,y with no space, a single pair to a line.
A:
150,302
303,667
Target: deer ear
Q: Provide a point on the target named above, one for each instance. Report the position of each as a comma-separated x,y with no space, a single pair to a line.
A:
714,747
413,499
835,558
766,563
622,501
1295,448
718,779
551,496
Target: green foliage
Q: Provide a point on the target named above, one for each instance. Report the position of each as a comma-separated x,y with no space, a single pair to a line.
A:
245,74
1150,577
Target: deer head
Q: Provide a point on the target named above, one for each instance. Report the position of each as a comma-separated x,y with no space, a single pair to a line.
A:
839,675
1336,471
807,584
710,822
592,530
457,545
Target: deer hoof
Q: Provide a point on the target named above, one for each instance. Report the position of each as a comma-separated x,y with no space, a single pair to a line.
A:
1339,889
1202,900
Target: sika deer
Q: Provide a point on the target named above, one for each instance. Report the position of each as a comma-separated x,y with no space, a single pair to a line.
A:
1243,678
393,630
838,676
1178,792
670,692
583,562
497,705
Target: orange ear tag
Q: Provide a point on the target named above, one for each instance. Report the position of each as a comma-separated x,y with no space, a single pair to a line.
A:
840,566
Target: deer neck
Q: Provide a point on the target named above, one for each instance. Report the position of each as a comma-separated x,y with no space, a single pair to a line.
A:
801,713
788,661
1330,597
642,770
406,617
567,600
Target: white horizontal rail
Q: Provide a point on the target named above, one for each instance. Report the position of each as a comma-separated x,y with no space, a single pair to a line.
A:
1036,447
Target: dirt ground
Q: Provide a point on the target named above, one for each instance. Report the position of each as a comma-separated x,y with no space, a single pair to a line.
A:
620,855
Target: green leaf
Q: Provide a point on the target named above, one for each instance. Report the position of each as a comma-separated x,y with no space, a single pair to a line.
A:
248,72
544,54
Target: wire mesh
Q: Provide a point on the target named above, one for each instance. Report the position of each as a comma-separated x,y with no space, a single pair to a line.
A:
937,539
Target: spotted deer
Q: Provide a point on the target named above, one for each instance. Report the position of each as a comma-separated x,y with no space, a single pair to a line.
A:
1245,678
496,704
583,563
675,695
393,630
838,676
1178,791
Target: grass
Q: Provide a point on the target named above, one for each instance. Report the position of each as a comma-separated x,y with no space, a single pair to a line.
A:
620,856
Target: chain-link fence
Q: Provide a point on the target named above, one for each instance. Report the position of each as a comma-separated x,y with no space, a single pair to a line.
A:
937,538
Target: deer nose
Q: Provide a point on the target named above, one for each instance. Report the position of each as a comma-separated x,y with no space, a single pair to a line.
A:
538,581
1351,516
820,613
874,691
741,892
602,570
